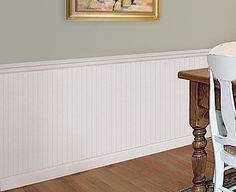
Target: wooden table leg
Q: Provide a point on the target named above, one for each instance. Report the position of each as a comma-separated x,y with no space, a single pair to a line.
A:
199,159
198,121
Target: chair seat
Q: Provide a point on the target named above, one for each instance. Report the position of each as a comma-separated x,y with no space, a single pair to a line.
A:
230,149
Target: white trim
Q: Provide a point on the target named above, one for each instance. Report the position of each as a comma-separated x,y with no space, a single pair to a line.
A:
87,164
58,64
118,156
208,133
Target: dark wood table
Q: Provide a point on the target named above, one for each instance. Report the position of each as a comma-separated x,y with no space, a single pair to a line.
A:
198,119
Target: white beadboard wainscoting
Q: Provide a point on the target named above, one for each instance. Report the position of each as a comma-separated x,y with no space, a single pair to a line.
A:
63,117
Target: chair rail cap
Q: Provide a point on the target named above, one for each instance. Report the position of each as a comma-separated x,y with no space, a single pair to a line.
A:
224,49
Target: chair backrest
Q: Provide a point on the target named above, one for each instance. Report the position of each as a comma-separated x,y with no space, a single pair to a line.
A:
222,66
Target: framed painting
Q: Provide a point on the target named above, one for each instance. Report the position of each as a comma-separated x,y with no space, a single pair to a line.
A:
112,9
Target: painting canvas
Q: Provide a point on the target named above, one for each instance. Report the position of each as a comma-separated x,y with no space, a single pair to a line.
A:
112,9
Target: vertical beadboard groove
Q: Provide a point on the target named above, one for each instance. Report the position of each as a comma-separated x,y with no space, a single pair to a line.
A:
51,118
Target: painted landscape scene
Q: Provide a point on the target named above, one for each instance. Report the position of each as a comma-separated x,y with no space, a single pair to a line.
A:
114,5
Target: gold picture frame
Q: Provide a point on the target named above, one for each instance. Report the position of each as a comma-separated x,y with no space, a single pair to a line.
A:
107,10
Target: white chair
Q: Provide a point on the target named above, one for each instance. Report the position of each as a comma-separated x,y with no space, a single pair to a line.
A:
222,66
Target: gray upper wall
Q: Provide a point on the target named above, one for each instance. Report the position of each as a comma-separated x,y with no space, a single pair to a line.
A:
33,30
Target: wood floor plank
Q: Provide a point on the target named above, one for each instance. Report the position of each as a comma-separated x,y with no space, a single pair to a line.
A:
117,181
31,188
18,190
90,182
163,172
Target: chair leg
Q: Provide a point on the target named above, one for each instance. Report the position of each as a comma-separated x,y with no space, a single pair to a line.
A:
219,174
214,177
227,167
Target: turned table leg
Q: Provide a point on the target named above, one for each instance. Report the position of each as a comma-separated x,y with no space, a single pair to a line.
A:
199,159
199,122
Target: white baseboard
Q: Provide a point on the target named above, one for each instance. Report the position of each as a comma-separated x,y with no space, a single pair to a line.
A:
84,165
87,164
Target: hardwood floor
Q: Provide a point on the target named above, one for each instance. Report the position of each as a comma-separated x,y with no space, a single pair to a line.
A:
163,172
